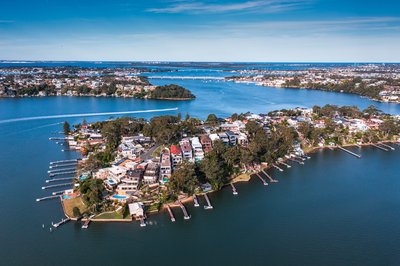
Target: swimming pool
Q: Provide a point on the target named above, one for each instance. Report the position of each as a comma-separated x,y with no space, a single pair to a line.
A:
116,196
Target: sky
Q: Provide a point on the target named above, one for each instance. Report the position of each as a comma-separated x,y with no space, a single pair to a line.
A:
206,30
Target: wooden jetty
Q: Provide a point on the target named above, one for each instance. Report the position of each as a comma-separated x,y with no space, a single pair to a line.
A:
86,224
62,173
277,167
349,152
55,166
387,146
142,223
269,177
58,192
171,214
234,191
64,161
61,170
186,216
208,206
63,221
296,161
58,185
379,147
262,179
285,164
59,179
48,197
196,201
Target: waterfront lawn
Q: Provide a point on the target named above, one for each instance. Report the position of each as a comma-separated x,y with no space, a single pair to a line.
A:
114,215
241,178
69,205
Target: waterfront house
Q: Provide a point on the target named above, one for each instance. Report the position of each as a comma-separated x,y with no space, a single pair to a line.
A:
150,176
197,149
117,172
232,137
165,165
206,143
186,149
176,154
131,182
136,209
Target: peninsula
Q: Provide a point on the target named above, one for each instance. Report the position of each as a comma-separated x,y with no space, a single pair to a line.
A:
132,167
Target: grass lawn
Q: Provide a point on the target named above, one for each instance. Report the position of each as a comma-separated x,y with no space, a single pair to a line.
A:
241,178
112,215
69,205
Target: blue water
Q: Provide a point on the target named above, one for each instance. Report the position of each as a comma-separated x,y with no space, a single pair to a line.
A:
334,210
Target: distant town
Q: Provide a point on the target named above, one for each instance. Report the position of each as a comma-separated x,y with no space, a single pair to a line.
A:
132,167
76,81
380,82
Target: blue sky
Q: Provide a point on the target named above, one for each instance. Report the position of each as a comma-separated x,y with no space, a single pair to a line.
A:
208,30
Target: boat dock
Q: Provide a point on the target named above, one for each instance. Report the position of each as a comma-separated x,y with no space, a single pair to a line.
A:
262,179
86,224
142,223
285,164
277,167
186,216
63,221
349,152
48,197
296,161
59,179
208,206
379,147
171,214
64,161
196,201
269,177
58,192
57,185
62,173
55,138
234,191
61,165
61,170
387,146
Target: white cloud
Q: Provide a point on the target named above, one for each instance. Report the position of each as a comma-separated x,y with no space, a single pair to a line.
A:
264,6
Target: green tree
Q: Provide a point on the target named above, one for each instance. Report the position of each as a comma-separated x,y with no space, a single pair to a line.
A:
66,128
184,179
76,212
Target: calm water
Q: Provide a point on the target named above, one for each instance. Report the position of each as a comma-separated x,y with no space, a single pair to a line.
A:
334,210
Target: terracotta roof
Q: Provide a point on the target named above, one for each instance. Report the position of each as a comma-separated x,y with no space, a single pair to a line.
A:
175,149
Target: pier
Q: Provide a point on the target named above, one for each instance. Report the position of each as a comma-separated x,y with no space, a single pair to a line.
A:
296,161
387,146
171,214
269,177
86,224
234,191
142,223
54,166
208,206
58,192
61,170
59,179
379,147
262,179
64,161
277,167
63,221
285,164
196,201
48,197
186,216
349,152
62,173
58,185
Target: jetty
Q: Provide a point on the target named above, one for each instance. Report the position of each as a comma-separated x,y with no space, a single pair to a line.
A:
63,173
48,197
285,164
55,166
86,224
171,214
379,147
64,161
142,223
57,185
387,146
61,170
262,179
56,138
58,192
349,152
277,167
296,161
186,216
208,206
269,177
234,191
59,179
63,221
196,201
